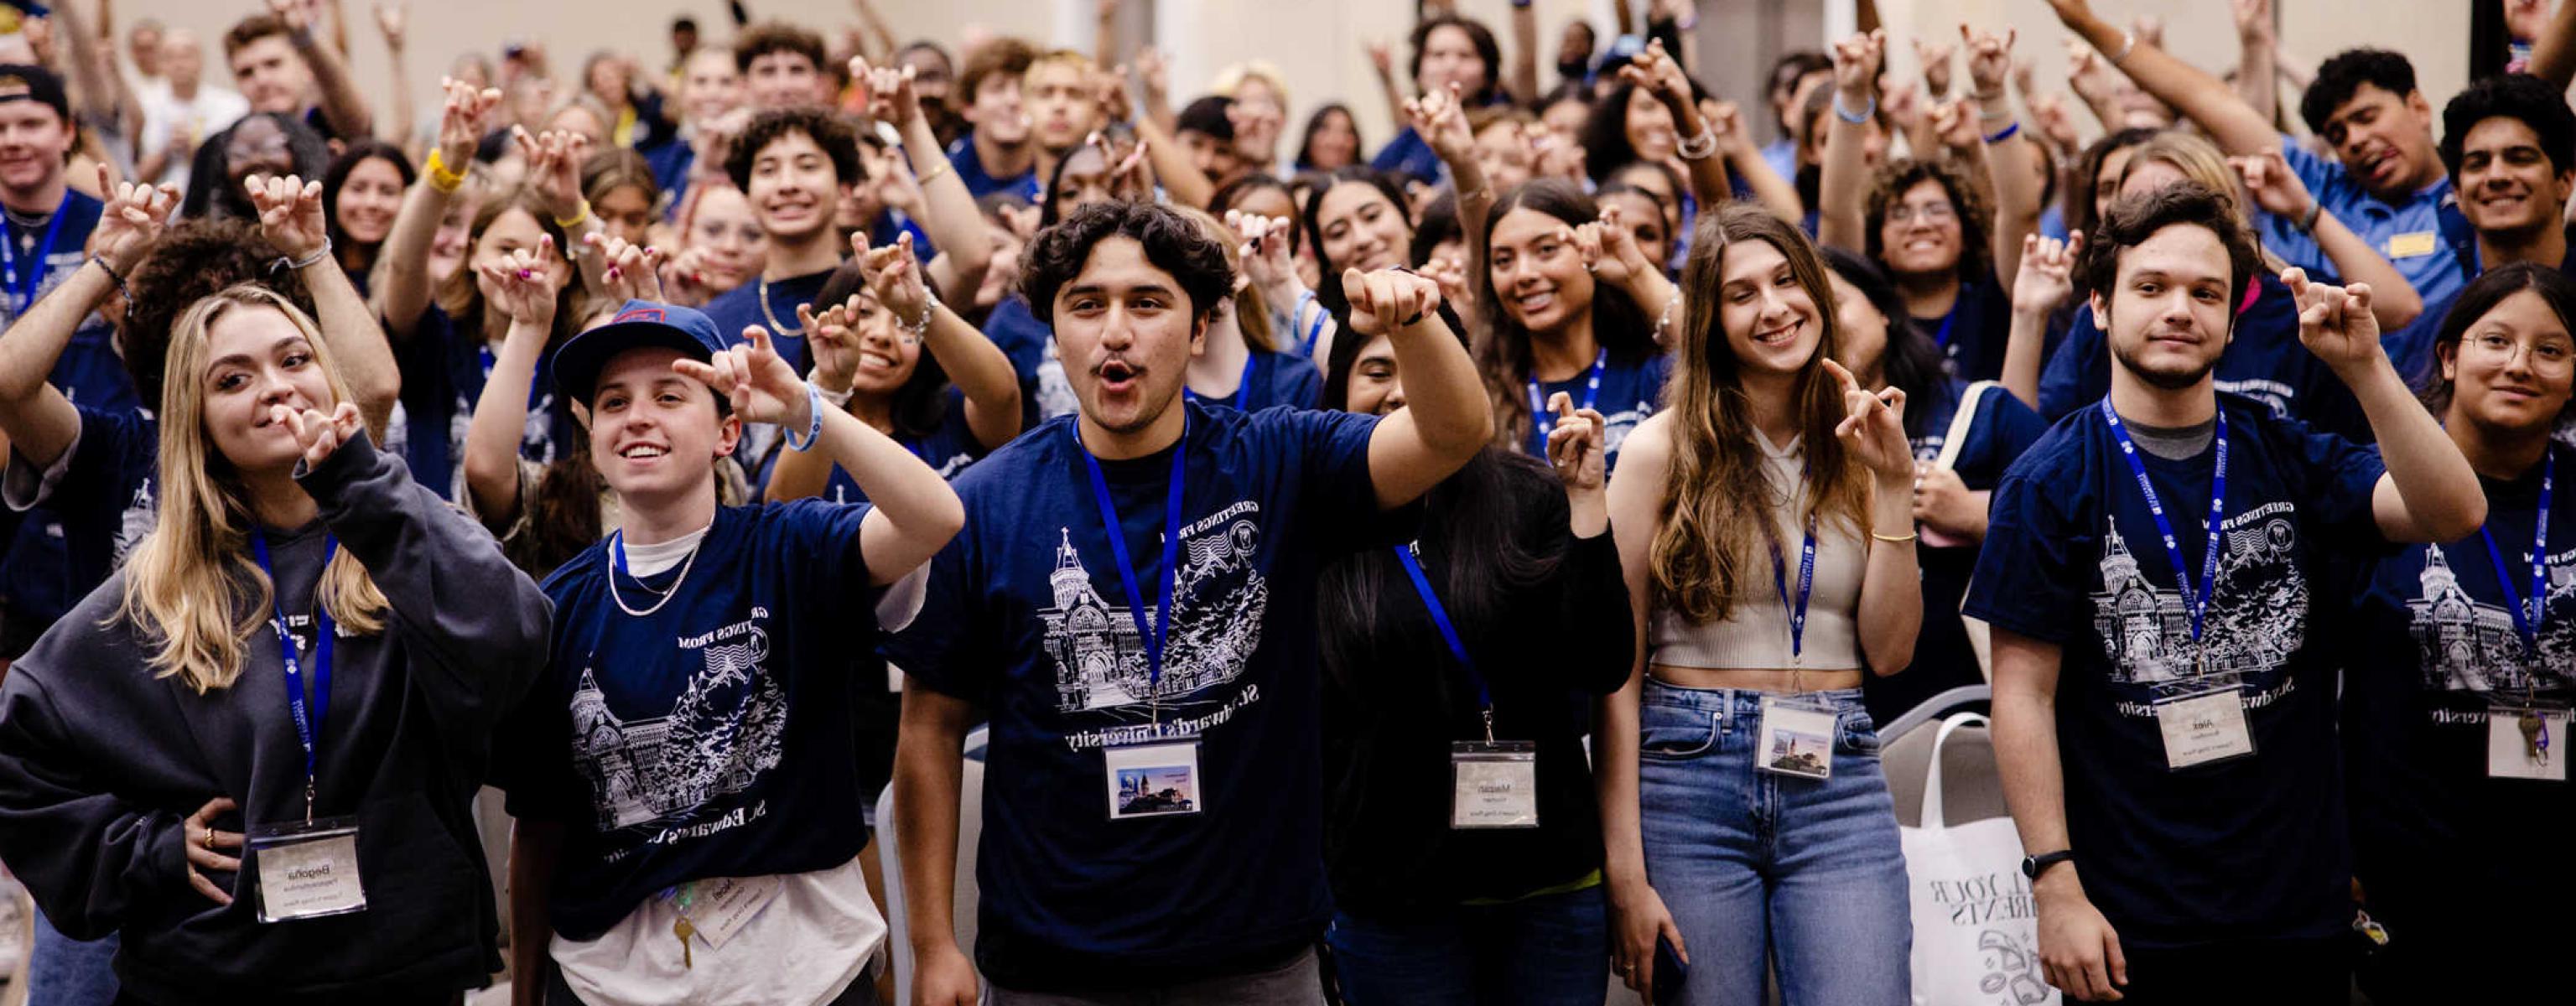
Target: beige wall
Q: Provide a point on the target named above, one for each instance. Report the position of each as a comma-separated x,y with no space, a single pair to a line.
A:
1319,43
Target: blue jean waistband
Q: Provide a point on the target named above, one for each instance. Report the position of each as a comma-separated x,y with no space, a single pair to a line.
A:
1733,701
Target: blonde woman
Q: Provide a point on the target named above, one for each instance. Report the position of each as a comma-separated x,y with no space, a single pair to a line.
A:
252,752
1763,520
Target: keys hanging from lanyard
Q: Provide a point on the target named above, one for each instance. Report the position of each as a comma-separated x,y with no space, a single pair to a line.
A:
1166,572
27,276
1242,386
308,717
2196,601
1541,422
1449,634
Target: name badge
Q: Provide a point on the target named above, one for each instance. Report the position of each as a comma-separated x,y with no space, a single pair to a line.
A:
2415,245
2203,728
718,908
2522,744
307,871
1495,784
1796,739
1153,780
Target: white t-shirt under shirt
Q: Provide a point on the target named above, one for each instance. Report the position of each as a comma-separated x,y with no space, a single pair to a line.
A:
212,111
806,945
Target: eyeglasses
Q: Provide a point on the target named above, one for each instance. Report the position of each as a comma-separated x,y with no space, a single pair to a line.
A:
2545,358
1930,213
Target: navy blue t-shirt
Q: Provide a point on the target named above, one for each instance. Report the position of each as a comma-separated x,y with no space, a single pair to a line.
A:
947,449
2436,644
740,308
1275,379
2265,362
79,531
30,266
711,737
1631,390
1998,433
970,170
443,366
1027,617
2251,848
1973,334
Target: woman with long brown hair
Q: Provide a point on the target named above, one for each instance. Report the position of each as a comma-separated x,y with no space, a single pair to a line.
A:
1739,772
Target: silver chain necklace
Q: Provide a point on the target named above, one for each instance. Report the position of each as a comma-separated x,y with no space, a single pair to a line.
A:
666,594
776,327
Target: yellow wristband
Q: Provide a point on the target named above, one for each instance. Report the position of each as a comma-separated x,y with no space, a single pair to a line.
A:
442,177
578,217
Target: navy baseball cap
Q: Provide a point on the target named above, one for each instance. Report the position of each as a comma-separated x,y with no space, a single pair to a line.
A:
641,324
19,82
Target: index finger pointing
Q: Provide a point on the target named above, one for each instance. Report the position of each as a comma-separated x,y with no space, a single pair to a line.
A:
1841,376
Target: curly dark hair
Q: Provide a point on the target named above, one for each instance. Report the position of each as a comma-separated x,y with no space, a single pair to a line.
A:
1172,244
777,36
2517,96
2342,76
838,141
1976,219
193,261
2136,218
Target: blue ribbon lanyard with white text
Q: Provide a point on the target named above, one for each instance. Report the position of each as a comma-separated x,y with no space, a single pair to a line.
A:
27,276
1493,784
308,717
1166,571
1541,422
2195,596
2530,608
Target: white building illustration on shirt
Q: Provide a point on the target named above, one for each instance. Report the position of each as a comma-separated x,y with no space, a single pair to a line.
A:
721,734
2257,613
1217,609
2467,645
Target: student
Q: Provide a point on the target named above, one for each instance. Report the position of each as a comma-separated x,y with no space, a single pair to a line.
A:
363,190
178,117
1063,104
682,773
2386,177
1331,141
2164,694
618,184
183,723
2510,145
280,68
1240,366
1187,864
1566,293
781,66
711,97
721,246
1934,228
1355,219
1000,152
1450,53
48,222
1438,898
1739,772
793,164
2460,645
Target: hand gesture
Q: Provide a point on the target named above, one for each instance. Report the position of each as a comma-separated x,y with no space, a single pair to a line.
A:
1388,299
2055,124
1109,92
2149,29
554,168
1265,249
2025,75
2047,266
391,17
890,95
1574,445
2254,19
2335,322
831,338
1935,57
2086,70
521,286
1381,58
1638,919
684,278
1610,249
894,275
761,385
1552,157
2079,952
1989,59
132,220
289,13
1956,123
319,433
1440,121
1450,271
2524,20
1726,121
1944,503
1131,178
2275,187
1856,63
199,839
290,214
1658,73
1873,427
1901,107
627,271
1155,70
463,120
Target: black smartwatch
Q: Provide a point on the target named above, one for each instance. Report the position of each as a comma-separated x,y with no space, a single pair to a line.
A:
2033,866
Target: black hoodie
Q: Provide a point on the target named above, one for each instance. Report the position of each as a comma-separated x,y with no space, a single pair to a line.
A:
101,762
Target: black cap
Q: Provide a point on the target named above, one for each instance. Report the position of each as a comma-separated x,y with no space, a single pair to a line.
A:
20,82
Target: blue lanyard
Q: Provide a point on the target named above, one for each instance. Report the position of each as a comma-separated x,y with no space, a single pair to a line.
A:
27,278
2527,612
308,722
2198,601
1942,337
1165,573
1806,587
1449,633
1242,385
1314,329
1541,423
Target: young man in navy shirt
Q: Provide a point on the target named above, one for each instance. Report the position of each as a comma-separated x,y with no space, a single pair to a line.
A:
1132,606
2509,142
683,775
793,164
48,222
2164,694
1001,153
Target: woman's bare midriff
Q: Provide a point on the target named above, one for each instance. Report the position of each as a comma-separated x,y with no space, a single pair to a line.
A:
1759,679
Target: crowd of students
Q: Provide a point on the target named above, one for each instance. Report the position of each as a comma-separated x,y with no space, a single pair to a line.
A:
695,453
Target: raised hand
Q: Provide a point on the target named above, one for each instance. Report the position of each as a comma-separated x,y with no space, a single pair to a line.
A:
289,13
1901,106
2055,124
2275,187
2047,266
894,275
290,214
891,97
199,839
1955,122
2335,322
2524,20
1388,299
2070,11
2149,29
1873,427
1155,70
1935,55
2254,18
1450,271
391,19
554,168
1265,249
1381,58
1610,249
1726,121
1553,157
320,434
831,338
1574,445
463,120
684,278
1109,92
1658,73
521,285
2025,76
1989,58
627,271
1441,121
1856,64
761,385
132,221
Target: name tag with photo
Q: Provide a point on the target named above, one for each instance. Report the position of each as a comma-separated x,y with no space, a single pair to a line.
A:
1153,780
1796,739
2204,728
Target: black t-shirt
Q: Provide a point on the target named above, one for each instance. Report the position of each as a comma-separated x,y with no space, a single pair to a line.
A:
1973,334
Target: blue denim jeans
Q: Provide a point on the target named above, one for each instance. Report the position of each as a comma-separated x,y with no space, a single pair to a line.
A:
66,972
1551,950
1761,868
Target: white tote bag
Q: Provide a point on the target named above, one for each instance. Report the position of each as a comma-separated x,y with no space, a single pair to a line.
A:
1976,930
